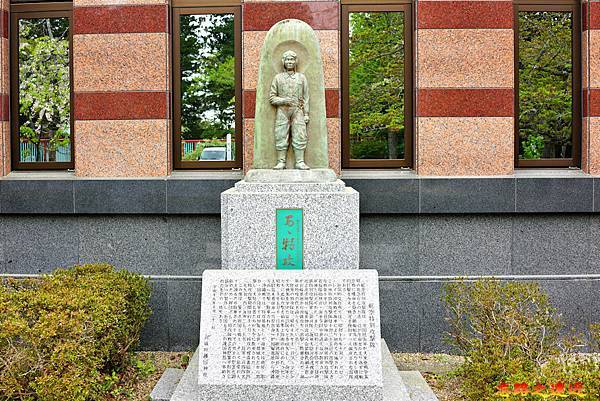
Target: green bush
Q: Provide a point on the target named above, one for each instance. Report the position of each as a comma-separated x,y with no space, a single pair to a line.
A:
62,336
509,333
595,334
501,329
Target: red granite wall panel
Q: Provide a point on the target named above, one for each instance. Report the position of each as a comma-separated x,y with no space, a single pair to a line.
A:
121,106
249,103
465,88
120,19
591,16
465,15
323,17
465,102
122,89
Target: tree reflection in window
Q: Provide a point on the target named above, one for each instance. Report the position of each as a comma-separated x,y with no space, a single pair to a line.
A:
207,54
545,84
376,85
44,90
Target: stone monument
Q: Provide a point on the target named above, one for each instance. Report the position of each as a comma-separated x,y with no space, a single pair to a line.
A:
290,102
290,95
290,317
298,37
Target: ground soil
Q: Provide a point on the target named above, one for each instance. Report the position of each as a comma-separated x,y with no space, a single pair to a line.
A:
137,384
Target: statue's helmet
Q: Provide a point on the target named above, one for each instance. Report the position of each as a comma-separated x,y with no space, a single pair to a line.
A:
289,53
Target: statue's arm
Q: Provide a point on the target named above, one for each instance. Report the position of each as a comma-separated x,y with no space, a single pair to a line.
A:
306,96
273,98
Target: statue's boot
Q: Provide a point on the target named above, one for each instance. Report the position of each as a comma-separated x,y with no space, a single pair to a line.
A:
281,156
300,165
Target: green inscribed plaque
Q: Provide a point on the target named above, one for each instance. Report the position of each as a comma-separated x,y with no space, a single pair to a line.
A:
290,227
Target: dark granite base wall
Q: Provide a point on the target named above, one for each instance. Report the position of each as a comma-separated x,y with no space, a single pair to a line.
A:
413,253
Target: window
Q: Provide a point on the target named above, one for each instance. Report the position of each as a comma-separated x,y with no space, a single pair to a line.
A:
41,82
548,84
207,87
377,85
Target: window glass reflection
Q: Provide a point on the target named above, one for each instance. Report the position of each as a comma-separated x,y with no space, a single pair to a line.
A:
545,84
44,90
376,85
207,57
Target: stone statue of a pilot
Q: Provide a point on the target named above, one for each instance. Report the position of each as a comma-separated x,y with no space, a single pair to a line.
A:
289,93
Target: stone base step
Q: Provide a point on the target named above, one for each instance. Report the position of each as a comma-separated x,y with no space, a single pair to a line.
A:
180,385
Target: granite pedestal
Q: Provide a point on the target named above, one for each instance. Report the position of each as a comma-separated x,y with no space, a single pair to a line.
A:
290,335
331,219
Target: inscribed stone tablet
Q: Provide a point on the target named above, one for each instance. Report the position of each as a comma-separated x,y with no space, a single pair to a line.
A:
290,335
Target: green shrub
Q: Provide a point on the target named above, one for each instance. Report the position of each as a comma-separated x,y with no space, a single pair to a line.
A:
62,336
595,335
509,333
502,330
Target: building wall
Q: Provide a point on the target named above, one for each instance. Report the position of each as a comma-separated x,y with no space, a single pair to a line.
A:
419,233
415,256
122,89
465,85
464,81
125,205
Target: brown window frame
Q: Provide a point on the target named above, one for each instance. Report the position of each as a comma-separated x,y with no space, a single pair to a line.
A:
552,5
349,6
37,10
195,7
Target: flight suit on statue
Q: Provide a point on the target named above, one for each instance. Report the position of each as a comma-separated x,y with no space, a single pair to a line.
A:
289,93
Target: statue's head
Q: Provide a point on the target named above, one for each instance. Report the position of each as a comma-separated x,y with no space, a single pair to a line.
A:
289,60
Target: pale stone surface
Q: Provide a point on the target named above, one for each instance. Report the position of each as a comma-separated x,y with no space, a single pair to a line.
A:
5,148
585,59
334,143
418,389
465,146
336,186
287,176
294,335
121,148
120,62
594,145
164,389
296,35
465,58
594,56
394,388
248,143
331,224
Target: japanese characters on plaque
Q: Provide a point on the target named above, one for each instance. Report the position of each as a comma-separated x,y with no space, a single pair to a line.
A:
275,327
290,227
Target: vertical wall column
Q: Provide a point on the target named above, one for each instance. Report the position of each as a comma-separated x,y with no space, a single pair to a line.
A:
323,17
591,88
122,89
465,85
4,91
